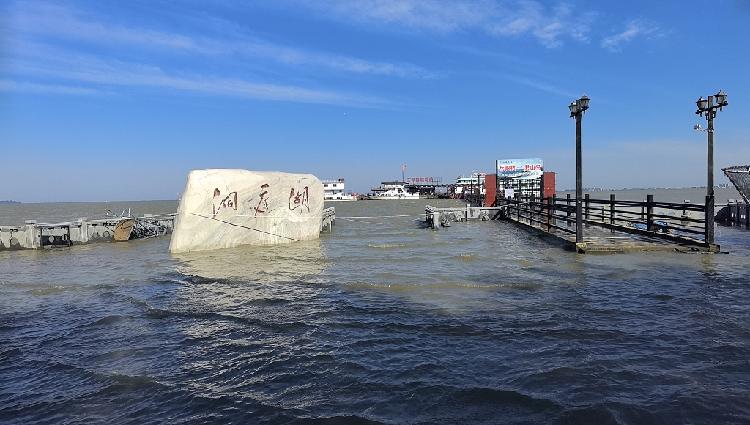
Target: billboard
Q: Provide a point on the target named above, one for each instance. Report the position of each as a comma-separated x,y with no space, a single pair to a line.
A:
524,169
424,181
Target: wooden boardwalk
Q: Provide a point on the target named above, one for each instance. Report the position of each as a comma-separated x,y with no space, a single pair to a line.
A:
609,226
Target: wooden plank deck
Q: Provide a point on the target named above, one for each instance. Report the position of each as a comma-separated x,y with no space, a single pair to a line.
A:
599,237
607,241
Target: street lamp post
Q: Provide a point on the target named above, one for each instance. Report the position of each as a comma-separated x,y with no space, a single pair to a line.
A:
707,108
577,108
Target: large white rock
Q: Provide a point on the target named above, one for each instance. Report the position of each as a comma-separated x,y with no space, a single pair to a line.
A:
227,208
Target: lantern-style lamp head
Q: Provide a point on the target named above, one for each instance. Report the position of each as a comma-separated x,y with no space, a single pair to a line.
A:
721,98
702,104
573,108
583,102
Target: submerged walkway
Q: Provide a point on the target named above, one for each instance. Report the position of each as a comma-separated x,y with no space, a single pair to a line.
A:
612,234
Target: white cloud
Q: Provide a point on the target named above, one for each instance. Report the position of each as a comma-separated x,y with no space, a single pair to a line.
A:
633,29
541,86
45,61
504,18
26,87
59,21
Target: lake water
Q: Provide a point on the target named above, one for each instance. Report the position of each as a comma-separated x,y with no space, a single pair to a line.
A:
381,321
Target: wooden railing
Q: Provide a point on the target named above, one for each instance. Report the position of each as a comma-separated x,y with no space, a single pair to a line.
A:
679,222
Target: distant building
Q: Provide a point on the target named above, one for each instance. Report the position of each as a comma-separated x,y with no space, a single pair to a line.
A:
469,185
428,187
525,177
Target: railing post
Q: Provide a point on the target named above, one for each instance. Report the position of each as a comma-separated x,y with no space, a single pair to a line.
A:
532,208
747,216
518,206
552,211
650,213
612,210
684,216
586,205
567,209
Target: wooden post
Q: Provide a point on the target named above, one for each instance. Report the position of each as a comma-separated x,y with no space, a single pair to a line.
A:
684,216
747,216
587,203
567,209
531,208
650,213
553,211
612,210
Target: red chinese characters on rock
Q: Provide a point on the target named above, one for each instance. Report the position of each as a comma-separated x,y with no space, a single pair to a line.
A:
262,206
299,199
219,203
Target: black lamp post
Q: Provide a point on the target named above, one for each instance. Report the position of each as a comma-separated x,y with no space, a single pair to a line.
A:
577,108
707,108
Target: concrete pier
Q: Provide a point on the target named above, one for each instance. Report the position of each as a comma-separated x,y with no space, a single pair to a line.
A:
329,219
436,217
33,235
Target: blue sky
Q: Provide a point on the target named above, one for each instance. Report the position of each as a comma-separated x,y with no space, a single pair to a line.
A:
119,100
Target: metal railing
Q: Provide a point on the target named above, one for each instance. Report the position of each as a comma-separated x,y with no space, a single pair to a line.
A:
679,222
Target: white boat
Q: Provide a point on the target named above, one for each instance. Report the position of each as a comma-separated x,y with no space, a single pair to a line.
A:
392,190
333,190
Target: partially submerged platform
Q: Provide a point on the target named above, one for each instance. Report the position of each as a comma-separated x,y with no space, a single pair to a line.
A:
610,241
609,235
33,235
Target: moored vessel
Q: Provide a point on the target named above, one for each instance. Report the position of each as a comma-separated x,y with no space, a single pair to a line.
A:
392,190
333,190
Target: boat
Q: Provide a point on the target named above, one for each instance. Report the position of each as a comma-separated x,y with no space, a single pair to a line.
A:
392,190
333,190
124,229
739,175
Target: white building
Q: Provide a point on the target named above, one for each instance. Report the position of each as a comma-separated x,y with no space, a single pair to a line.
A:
333,190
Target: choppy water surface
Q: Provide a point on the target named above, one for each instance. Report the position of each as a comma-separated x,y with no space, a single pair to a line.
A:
380,322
